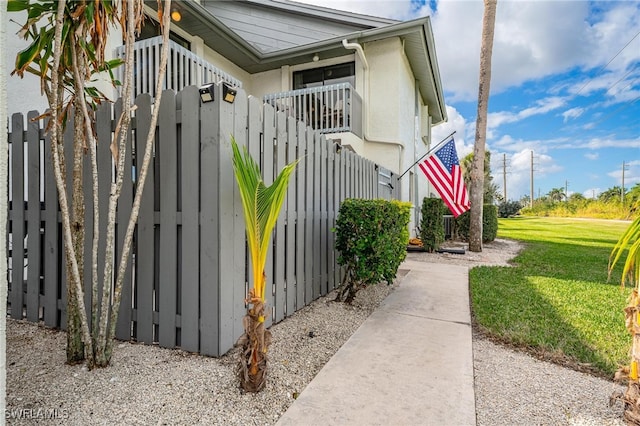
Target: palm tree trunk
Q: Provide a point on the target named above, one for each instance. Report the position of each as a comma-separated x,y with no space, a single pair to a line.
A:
477,170
254,343
631,397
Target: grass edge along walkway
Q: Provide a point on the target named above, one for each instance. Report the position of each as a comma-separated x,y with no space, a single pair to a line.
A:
555,301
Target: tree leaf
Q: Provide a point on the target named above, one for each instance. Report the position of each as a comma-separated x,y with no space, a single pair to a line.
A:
17,5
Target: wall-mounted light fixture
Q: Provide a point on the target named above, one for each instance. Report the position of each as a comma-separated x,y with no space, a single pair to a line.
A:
228,93
176,15
207,92
316,58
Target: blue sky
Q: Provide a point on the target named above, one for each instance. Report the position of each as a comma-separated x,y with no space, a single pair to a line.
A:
565,85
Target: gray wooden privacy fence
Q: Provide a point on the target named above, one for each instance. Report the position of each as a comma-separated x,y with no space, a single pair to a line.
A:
189,273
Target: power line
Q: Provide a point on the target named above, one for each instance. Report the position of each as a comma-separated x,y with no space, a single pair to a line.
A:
632,101
622,78
607,64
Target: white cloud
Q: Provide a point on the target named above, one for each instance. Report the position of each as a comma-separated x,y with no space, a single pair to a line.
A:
572,113
457,123
591,155
519,171
542,106
631,173
591,192
533,40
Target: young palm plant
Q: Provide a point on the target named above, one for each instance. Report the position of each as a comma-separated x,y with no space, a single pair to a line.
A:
261,205
630,241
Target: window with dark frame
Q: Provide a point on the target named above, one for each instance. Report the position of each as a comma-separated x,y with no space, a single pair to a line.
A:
325,76
325,108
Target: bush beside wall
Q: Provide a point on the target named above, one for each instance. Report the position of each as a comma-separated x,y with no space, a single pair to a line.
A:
432,223
372,237
489,224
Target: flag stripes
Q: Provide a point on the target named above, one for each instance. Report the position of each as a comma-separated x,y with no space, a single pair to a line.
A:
443,171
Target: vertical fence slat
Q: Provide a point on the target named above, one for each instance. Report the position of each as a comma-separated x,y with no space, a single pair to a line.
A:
168,224
308,241
52,256
125,202
189,102
239,248
337,182
323,237
231,239
317,275
268,139
144,252
331,161
33,217
290,250
280,299
68,153
17,216
301,189
105,170
209,232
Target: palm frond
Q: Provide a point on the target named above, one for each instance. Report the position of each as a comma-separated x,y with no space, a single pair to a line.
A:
629,240
261,206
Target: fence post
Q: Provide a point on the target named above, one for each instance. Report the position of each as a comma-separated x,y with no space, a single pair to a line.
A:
209,231
17,216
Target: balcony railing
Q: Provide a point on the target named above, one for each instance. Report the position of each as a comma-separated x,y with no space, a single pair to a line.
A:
330,109
184,68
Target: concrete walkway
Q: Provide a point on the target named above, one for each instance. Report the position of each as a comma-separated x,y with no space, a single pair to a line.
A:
410,363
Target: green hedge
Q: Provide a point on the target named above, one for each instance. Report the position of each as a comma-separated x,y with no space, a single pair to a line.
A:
489,224
432,223
372,237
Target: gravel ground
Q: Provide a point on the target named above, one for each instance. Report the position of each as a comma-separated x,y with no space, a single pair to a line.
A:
148,385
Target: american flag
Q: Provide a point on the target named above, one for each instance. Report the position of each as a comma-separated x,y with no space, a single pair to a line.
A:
443,171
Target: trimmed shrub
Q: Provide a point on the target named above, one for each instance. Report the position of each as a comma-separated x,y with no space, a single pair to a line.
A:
372,237
461,226
509,208
432,223
489,224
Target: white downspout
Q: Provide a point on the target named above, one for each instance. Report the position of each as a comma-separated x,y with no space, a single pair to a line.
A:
365,103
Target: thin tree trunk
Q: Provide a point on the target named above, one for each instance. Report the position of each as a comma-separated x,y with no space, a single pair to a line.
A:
72,265
75,347
133,219
118,152
477,170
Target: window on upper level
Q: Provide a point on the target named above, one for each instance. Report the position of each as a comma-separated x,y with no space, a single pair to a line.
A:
324,76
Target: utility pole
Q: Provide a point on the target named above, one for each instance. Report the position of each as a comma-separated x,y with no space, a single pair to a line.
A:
532,195
624,167
504,176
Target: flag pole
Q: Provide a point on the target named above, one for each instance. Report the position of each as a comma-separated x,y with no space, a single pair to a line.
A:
428,152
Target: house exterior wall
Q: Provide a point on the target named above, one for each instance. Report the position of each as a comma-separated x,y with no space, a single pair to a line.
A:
396,114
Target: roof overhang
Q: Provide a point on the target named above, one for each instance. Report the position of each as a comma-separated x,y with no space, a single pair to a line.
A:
417,35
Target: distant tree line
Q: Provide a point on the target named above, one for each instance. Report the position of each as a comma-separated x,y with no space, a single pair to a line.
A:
610,204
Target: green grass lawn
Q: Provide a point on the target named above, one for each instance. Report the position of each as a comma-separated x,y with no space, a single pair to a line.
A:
557,299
